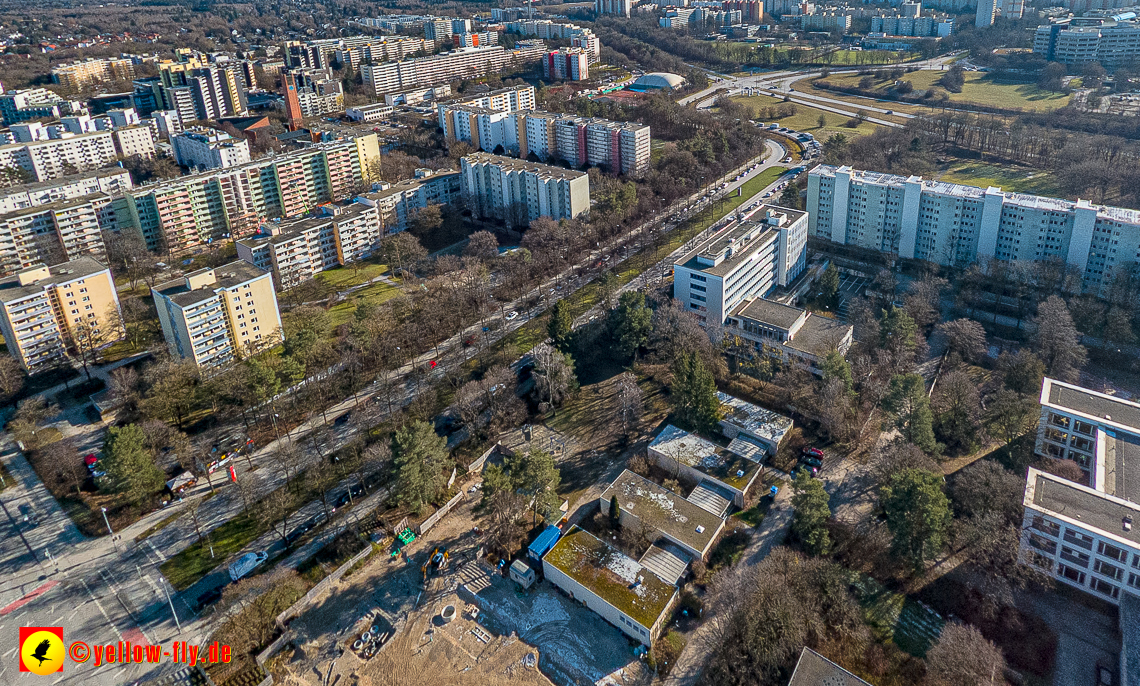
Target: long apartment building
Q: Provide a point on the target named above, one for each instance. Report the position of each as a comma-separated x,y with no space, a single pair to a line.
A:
1113,43
744,261
391,77
55,232
203,149
522,191
510,99
190,211
623,147
1082,535
378,49
35,103
296,250
544,28
43,310
80,74
399,202
50,159
215,316
111,181
952,224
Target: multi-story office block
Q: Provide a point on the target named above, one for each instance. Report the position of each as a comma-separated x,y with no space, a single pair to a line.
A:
622,8
184,213
392,77
215,316
569,64
297,250
75,186
789,335
369,114
522,191
35,103
204,149
744,261
76,76
44,311
1112,43
1081,534
400,201
952,225
55,232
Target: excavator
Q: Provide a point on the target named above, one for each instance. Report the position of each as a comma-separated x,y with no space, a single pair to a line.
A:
435,562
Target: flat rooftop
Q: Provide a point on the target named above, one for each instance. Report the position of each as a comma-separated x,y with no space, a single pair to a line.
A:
813,669
769,312
1097,406
754,419
1089,507
613,576
818,336
682,520
225,276
1121,459
707,457
11,290
511,164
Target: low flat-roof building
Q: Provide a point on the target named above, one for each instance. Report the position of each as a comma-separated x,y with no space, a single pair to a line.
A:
1083,535
813,669
744,420
612,584
790,335
669,515
698,461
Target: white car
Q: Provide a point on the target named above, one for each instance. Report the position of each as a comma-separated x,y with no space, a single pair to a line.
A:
511,315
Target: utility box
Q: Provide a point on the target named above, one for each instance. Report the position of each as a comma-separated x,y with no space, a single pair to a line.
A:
522,574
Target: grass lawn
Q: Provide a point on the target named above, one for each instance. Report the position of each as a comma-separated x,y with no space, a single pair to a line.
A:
376,293
980,89
806,119
896,617
1008,178
193,563
341,278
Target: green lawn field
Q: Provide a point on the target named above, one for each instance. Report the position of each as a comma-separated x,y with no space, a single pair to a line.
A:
980,89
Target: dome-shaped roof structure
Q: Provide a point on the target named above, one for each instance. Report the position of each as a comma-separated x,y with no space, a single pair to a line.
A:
659,79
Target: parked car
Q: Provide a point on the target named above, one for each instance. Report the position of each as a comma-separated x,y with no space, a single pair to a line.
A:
812,452
343,419
811,461
246,564
29,515
512,315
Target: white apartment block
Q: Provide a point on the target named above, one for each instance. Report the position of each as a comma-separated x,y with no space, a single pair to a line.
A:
589,42
569,64
378,49
826,21
53,158
619,7
746,260
476,39
952,225
215,316
623,147
299,249
35,103
438,29
110,181
169,122
392,77
511,99
544,28
400,201
369,114
134,141
203,149
314,103
522,191
56,232
912,26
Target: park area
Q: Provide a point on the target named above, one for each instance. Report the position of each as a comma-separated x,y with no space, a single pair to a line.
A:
979,88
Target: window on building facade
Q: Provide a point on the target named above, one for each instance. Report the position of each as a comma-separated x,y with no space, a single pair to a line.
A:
1074,556
1047,527
1111,571
1071,574
1077,538
1111,551
1103,587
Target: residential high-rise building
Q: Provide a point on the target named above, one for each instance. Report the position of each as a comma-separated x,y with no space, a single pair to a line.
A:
214,91
296,250
78,75
35,103
826,21
181,214
510,99
620,146
1011,9
475,40
110,181
521,191
987,12
1081,534
954,225
571,64
55,232
751,11
391,77
440,29
202,149
47,311
397,203
53,158
215,316
622,8
746,260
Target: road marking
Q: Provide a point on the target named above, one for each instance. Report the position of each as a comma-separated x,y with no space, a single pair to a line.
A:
12,607
10,653
161,557
101,610
119,672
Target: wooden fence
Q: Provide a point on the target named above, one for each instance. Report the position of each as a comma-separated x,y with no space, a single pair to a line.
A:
431,521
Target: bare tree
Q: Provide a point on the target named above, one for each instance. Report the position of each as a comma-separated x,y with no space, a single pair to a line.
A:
963,657
629,404
273,512
61,460
11,376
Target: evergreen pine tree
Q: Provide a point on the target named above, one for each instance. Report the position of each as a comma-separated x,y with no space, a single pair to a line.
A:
129,465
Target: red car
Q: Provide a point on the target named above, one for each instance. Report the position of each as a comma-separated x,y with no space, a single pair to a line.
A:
813,452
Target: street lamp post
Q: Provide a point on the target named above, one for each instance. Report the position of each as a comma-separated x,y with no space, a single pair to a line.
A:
163,582
275,431
109,529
